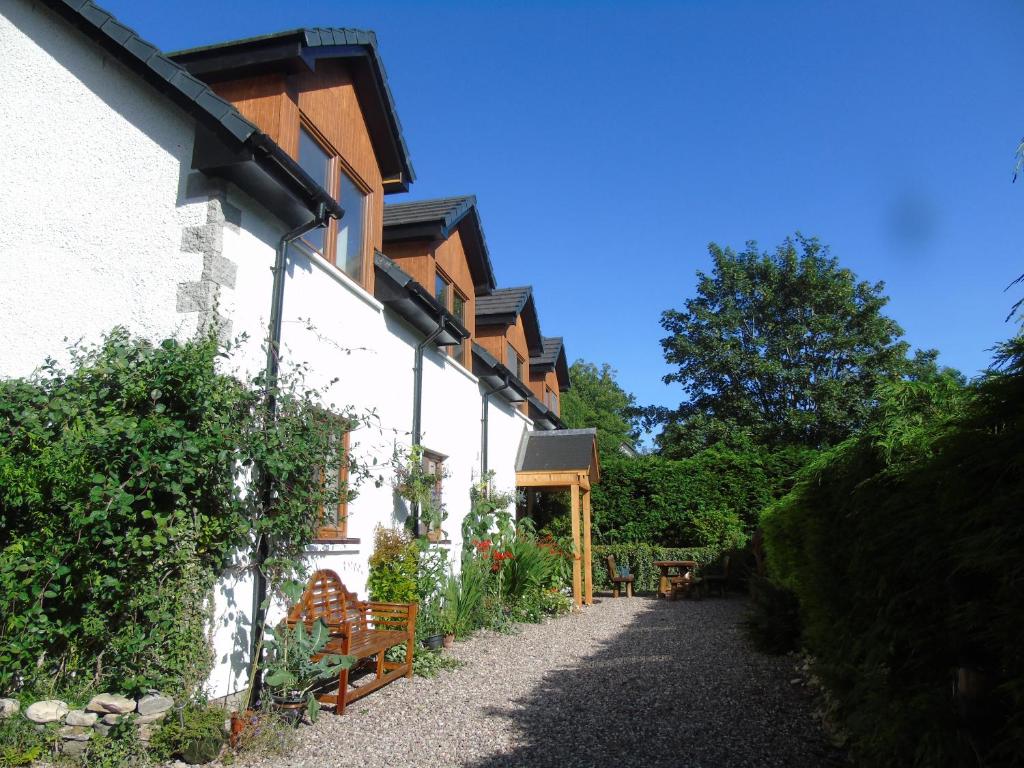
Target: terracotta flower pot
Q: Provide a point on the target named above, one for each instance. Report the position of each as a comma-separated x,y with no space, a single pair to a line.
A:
290,708
449,641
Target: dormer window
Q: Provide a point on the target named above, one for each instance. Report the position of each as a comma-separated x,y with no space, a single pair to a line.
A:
449,297
513,361
351,229
342,243
552,400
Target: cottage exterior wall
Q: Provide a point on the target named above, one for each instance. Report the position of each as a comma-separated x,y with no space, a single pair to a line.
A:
102,223
93,198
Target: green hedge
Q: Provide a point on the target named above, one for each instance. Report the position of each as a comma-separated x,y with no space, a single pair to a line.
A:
640,559
905,549
711,499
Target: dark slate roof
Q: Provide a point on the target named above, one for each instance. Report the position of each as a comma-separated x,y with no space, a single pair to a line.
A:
551,346
552,358
448,210
503,301
504,305
557,450
301,48
438,219
145,58
259,166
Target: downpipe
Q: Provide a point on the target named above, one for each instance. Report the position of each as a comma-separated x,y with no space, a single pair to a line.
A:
417,403
261,549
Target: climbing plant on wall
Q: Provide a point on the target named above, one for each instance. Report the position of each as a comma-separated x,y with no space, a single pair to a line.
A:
129,480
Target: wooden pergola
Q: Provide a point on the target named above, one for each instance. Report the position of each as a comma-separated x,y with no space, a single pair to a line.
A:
566,460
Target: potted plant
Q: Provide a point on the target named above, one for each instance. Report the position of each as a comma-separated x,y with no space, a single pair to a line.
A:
429,621
291,673
433,515
418,485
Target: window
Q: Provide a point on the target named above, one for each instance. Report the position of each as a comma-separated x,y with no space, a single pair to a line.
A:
552,400
459,310
449,297
433,464
513,361
334,520
441,289
350,229
342,242
317,163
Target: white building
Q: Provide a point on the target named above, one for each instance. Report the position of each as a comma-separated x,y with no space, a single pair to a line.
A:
155,192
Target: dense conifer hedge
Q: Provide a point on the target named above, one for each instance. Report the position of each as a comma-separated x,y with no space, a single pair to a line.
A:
905,548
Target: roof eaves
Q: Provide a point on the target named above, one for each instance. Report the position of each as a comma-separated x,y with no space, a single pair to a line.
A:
417,304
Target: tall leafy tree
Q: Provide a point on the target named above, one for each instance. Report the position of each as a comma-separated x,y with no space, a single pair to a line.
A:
597,400
779,348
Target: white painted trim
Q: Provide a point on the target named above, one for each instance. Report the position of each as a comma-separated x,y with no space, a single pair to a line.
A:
344,280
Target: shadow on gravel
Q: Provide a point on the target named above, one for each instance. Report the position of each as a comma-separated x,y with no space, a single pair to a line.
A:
678,686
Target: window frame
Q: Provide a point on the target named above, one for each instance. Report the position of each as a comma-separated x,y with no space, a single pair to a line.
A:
518,370
452,291
338,166
438,460
338,533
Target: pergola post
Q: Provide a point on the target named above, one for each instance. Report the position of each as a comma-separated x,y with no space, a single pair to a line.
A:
588,561
577,548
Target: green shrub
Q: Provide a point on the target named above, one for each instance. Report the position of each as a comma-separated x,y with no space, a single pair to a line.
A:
640,557
127,484
21,744
773,617
200,729
394,567
712,499
121,748
905,549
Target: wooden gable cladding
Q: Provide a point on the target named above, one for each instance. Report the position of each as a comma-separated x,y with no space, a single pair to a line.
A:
494,338
422,259
326,100
266,102
541,380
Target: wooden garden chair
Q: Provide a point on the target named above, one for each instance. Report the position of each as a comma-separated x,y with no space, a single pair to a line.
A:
617,580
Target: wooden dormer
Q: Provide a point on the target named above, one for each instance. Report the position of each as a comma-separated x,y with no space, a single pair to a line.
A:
507,327
322,96
549,374
440,244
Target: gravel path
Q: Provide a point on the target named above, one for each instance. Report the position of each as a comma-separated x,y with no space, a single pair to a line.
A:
624,683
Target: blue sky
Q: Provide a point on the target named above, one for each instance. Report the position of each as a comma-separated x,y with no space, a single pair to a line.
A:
609,143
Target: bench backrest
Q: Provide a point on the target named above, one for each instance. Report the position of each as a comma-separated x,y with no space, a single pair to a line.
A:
325,597
613,572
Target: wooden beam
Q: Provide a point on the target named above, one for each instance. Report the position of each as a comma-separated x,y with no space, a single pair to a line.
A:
563,479
576,549
588,561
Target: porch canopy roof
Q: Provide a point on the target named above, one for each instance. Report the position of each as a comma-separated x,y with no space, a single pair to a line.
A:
558,459
565,459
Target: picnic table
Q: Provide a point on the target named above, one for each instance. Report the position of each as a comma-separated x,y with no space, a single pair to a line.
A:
670,571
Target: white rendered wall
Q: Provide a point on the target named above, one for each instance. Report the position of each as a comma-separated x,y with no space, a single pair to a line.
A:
361,355
91,209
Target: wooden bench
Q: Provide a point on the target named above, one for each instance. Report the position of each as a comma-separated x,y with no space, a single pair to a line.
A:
358,628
